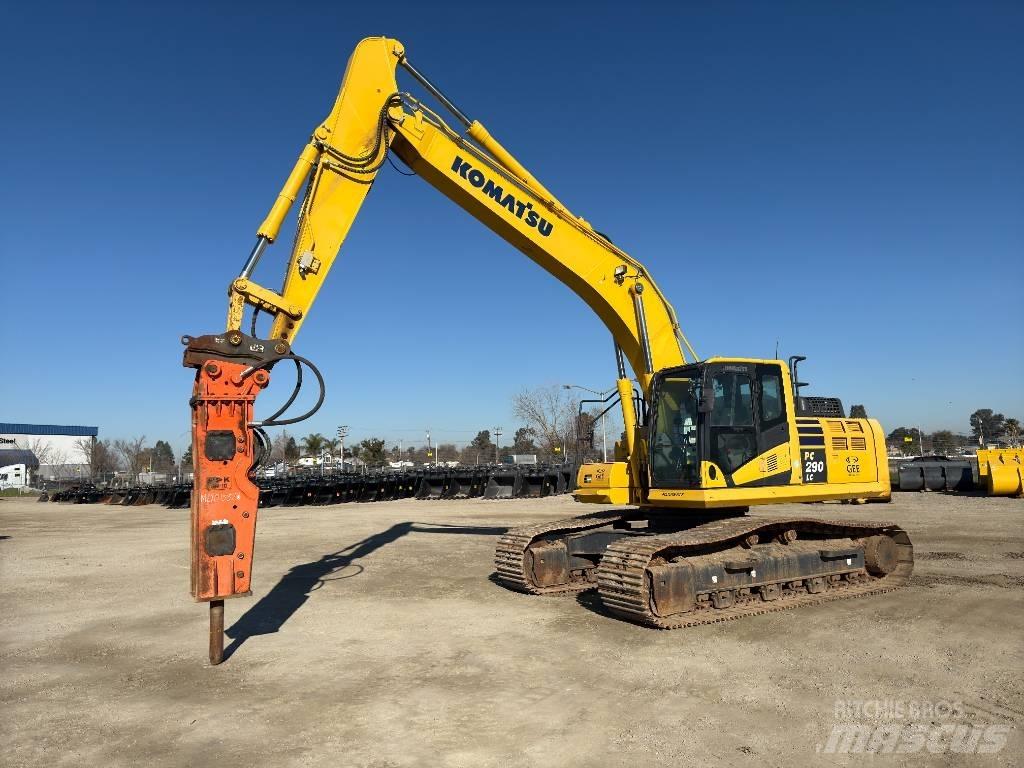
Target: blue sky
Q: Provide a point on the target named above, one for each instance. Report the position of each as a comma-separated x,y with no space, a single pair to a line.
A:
824,175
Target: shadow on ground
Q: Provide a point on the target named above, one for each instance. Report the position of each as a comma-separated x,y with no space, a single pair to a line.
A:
272,610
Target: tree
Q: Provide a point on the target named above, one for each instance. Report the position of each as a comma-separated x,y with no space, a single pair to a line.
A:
279,447
987,426
313,444
447,452
85,447
858,412
98,455
41,449
162,457
549,412
522,442
590,428
186,460
904,439
291,450
132,453
1012,430
58,463
482,442
373,451
943,441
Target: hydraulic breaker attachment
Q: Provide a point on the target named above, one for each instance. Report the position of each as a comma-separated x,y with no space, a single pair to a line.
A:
231,372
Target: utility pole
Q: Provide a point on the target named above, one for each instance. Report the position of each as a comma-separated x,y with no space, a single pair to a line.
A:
342,433
497,441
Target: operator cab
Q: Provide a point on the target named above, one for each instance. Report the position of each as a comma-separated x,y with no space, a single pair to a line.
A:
708,420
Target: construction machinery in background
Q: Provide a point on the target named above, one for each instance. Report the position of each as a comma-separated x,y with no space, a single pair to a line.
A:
704,439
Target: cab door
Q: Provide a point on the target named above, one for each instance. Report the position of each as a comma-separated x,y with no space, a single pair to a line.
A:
772,424
748,420
731,425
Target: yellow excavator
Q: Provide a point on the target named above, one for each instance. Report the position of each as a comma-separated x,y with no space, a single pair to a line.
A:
704,439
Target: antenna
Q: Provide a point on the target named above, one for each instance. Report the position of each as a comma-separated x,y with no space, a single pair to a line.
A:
776,349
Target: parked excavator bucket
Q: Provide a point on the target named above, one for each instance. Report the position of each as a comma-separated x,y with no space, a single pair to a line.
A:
407,485
534,484
388,488
561,481
503,484
370,490
938,474
464,484
1001,471
295,495
433,485
323,492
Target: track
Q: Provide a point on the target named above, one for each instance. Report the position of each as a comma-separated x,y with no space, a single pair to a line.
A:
510,554
623,579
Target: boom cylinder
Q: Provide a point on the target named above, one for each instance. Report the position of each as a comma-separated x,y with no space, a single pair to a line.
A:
641,327
254,256
289,192
625,388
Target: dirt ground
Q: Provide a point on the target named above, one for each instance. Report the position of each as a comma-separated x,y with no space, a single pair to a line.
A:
375,638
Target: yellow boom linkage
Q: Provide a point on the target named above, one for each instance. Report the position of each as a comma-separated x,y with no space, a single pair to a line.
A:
338,167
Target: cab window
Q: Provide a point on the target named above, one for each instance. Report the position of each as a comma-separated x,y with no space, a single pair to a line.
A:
733,441
772,410
674,458
733,401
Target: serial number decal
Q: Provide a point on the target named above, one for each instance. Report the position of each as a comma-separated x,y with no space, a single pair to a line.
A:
215,497
814,466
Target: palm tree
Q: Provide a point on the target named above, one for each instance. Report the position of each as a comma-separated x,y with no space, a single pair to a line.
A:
1012,427
313,444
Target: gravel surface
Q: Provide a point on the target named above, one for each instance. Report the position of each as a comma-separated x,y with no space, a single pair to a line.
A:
375,637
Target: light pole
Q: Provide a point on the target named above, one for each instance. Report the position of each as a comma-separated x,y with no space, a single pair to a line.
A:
342,433
497,442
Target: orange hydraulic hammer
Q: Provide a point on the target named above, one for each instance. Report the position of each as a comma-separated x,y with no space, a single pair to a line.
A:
231,370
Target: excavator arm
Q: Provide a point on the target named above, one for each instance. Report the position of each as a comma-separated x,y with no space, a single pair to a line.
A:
329,182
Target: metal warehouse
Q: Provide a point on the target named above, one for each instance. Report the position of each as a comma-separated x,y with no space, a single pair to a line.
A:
59,450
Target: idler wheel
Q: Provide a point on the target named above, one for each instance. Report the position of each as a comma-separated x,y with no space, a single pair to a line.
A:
880,555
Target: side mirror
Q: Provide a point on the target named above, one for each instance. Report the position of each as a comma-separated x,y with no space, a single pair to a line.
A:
706,403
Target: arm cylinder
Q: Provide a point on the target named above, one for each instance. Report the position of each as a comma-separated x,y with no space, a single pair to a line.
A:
482,136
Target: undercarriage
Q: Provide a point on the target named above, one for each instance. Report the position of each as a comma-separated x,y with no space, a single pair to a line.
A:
669,571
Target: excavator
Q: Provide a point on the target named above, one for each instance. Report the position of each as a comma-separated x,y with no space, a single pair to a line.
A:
672,544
